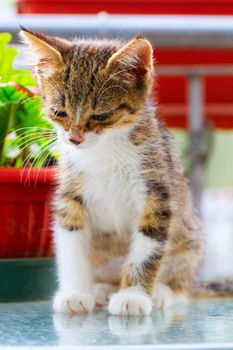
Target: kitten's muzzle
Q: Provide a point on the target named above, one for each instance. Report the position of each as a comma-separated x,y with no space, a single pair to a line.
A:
76,139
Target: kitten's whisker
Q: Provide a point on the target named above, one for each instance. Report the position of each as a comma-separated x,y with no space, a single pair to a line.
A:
50,150
45,149
28,133
28,99
27,159
29,139
36,159
31,127
25,135
28,143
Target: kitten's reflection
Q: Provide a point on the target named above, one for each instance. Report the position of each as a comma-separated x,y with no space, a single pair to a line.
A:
99,328
131,330
147,329
129,326
66,327
102,329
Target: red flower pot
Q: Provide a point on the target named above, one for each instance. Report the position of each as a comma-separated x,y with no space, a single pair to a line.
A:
201,7
25,212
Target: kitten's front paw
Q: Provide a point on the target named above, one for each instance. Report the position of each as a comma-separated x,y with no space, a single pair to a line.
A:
73,303
130,302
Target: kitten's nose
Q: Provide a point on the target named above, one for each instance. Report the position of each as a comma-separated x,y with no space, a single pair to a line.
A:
77,139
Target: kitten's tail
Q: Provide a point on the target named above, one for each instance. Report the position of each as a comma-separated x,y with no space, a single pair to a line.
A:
213,289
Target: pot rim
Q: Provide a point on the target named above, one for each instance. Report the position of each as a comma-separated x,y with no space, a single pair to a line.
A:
27,174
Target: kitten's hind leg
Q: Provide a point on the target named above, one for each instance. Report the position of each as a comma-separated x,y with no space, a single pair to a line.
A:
163,296
176,275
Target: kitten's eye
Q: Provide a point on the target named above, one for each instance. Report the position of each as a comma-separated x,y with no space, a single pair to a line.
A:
61,114
102,116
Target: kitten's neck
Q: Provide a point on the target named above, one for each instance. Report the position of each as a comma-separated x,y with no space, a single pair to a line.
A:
146,127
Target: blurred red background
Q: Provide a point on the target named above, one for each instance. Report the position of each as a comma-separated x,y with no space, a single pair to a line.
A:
170,92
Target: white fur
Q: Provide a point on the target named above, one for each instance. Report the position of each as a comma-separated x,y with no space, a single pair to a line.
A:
114,192
142,247
74,271
114,196
164,297
130,302
73,303
72,250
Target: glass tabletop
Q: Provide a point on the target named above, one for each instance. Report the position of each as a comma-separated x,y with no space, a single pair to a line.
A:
200,324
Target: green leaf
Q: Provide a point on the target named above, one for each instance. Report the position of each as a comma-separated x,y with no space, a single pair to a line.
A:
7,70
22,116
25,135
7,120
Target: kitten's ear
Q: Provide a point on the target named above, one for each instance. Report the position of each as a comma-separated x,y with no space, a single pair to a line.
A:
136,56
46,50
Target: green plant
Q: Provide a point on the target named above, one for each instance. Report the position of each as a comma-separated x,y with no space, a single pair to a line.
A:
26,137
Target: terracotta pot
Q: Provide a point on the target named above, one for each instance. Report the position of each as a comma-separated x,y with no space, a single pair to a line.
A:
25,212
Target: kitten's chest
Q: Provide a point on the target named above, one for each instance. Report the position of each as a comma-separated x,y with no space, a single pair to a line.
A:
114,190
111,199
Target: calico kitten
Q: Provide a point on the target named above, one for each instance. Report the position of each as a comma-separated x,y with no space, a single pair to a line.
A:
123,213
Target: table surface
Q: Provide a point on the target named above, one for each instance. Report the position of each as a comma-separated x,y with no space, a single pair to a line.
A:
198,325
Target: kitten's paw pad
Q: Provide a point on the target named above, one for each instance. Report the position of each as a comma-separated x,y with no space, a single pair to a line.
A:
164,297
130,302
103,292
73,303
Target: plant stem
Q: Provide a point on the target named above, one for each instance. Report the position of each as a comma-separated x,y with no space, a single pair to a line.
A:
10,122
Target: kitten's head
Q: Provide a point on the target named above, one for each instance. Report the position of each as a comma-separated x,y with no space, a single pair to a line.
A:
91,87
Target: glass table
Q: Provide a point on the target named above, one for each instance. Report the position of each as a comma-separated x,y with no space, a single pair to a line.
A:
198,325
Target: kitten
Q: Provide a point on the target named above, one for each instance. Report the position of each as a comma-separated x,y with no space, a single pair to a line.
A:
123,213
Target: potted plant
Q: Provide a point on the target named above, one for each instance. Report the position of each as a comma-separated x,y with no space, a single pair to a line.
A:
26,183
